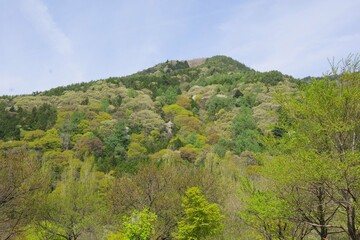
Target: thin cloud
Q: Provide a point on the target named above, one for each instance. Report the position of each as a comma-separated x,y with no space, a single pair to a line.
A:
43,22
44,54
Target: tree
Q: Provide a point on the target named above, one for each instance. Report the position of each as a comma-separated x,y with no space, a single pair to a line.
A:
20,183
272,77
183,101
50,141
139,226
174,110
75,208
322,141
9,122
43,118
202,219
302,181
169,95
116,146
189,153
215,103
269,214
88,144
247,137
136,152
160,189
188,123
148,120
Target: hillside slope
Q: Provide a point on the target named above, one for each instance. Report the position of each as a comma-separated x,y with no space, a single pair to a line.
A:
201,121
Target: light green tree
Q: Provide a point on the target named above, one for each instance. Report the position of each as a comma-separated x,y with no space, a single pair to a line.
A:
202,219
317,165
50,141
140,225
268,214
75,208
136,151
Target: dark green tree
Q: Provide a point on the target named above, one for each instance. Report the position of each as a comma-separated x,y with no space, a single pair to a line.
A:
246,134
43,117
116,146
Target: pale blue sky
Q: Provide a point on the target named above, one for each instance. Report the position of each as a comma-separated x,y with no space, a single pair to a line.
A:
49,43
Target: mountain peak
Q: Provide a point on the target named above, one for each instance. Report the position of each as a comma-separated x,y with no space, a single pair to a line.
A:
226,63
196,62
219,63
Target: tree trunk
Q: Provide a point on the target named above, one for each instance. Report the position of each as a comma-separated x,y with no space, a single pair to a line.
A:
321,213
351,225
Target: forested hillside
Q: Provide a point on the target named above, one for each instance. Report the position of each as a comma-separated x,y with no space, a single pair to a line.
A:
200,149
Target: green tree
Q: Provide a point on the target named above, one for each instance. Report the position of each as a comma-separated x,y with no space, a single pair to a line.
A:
9,124
202,219
140,225
272,77
174,110
43,118
247,137
215,103
136,152
169,96
320,152
160,189
116,146
75,208
268,214
50,141
189,152
21,182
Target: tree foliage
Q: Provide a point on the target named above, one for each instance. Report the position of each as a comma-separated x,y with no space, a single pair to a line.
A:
74,208
202,219
320,152
20,183
140,225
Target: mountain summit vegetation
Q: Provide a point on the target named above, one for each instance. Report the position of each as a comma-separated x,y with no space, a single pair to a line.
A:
201,149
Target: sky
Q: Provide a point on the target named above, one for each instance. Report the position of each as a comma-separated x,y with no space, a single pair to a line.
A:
48,43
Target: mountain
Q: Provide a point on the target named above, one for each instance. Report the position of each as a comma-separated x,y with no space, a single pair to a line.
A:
137,142
198,80
192,69
200,149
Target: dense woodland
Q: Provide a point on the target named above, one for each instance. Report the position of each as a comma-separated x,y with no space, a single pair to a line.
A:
200,149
